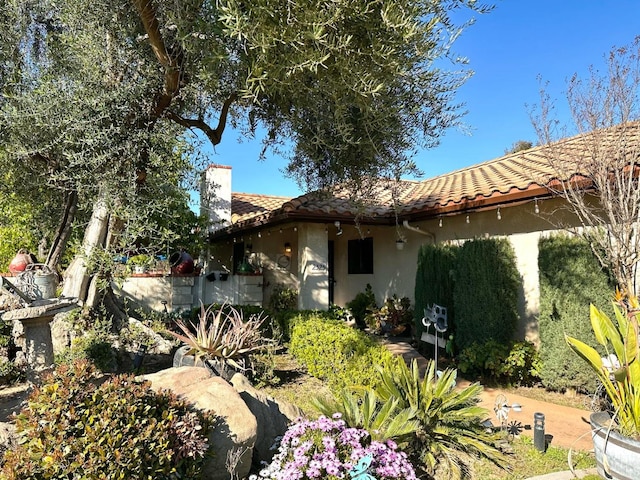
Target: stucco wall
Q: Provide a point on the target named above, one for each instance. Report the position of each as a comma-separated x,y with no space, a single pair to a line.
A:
394,270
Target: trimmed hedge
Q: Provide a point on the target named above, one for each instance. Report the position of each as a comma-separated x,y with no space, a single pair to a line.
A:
336,352
434,282
485,292
571,278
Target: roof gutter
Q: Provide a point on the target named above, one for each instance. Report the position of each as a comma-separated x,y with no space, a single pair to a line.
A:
405,224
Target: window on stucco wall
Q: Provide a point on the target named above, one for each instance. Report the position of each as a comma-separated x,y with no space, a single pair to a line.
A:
360,256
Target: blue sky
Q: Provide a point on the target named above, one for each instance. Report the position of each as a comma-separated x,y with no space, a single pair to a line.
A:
508,50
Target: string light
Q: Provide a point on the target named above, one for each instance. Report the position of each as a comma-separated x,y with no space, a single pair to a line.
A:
536,208
259,234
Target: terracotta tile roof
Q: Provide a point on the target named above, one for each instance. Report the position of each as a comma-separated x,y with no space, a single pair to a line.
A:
246,206
514,177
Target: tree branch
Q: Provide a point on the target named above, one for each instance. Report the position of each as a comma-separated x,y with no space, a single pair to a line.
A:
214,135
172,64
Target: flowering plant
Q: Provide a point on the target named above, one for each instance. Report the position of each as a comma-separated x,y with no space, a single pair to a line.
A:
327,449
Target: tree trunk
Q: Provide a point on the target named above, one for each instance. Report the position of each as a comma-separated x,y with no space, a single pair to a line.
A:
76,278
63,232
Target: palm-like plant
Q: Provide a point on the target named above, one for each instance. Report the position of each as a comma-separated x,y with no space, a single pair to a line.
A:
364,409
223,335
621,378
450,432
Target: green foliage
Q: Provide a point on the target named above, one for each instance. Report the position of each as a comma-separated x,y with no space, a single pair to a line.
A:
622,347
286,320
451,433
513,363
363,304
337,353
94,347
486,292
6,336
395,316
571,278
223,335
283,298
10,373
363,408
76,427
141,260
434,282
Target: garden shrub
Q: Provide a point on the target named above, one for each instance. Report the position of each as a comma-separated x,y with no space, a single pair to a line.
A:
283,298
513,363
571,278
93,346
362,304
485,292
75,427
434,282
286,320
333,351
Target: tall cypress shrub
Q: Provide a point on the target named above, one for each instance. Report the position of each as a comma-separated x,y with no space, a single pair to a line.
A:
485,292
434,282
571,278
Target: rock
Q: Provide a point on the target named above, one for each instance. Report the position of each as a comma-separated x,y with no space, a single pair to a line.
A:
8,437
61,332
273,417
233,438
160,345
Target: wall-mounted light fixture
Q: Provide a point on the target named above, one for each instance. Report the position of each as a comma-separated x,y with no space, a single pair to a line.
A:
337,224
499,214
440,222
536,208
468,219
287,247
259,234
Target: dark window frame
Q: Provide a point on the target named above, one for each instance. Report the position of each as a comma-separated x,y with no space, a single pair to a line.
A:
360,256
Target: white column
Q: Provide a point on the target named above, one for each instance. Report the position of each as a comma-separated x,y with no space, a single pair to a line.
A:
313,267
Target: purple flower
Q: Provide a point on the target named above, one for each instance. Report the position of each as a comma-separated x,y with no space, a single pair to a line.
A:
327,449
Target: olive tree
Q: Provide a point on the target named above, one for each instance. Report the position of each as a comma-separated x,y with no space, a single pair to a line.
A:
98,94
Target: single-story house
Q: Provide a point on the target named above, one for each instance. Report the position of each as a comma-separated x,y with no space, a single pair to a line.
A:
329,249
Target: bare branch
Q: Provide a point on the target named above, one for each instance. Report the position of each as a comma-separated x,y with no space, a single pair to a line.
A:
214,135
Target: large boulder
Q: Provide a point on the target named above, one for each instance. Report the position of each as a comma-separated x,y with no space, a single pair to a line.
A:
234,436
273,417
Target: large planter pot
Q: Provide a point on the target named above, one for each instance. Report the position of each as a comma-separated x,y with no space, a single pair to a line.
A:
220,369
617,456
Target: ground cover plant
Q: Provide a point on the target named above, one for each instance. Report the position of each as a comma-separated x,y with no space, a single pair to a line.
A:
77,426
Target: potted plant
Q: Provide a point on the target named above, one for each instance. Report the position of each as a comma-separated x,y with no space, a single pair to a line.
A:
140,263
616,436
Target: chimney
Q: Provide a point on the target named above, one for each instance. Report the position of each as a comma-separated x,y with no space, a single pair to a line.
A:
215,196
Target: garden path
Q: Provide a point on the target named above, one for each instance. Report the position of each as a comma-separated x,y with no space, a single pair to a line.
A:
565,427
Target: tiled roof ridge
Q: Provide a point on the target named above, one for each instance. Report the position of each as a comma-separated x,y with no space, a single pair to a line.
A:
263,195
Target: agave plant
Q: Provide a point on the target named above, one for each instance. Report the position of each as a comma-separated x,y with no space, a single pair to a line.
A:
363,409
450,431
620,378
223,335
